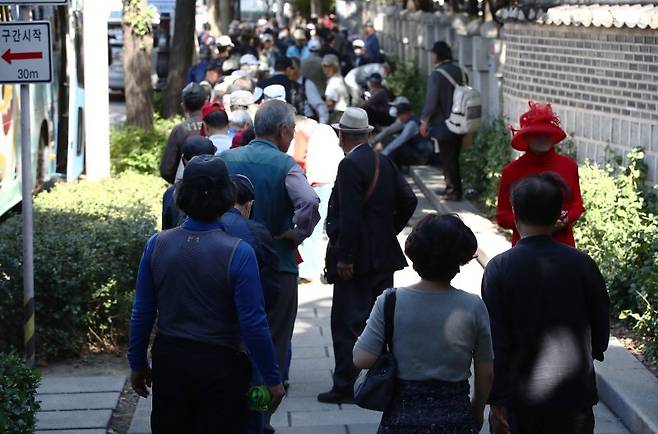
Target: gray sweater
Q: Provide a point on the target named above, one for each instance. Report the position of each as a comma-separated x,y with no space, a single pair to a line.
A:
436,334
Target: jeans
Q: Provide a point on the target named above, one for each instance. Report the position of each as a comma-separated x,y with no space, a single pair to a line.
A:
311,249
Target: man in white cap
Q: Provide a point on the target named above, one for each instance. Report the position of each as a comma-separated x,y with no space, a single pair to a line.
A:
370,205
224,45
336,94
249,64
312,66
299,48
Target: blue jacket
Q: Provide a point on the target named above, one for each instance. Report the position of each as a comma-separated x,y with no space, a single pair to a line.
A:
267,168
260,239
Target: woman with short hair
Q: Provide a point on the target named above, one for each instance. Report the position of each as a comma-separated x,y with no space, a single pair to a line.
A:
438,331
203,286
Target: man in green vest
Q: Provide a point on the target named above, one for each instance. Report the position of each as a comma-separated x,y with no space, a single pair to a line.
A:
287,206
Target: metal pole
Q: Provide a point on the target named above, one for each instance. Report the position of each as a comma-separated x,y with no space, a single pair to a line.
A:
26,187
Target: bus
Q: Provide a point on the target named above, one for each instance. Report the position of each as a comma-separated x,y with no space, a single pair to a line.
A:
56,109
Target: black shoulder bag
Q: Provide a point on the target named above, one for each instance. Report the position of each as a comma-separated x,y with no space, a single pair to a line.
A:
374,388
330,259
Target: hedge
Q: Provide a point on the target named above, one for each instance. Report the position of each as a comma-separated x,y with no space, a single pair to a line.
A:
619,228
18,392
88,239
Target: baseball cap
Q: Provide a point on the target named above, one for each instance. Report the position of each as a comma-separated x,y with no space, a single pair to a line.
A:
194,95
358,43
274,91
248,59
197,145
375,77
225,41
441,48
244,186
207,166
331,59
266,37
242,98
230,64
211,107
400,100
314,45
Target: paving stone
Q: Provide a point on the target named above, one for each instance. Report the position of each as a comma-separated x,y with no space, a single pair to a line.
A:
306,404
311,353
318,363
311,341
79,401
309,389
74,431
325,429
309,375
280,419
141,422
316,418
108,383
52,420
363,428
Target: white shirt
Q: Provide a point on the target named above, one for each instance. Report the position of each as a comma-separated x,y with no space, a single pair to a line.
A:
323,156
222,142
337,92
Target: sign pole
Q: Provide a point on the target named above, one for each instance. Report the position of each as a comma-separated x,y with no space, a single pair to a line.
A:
26,187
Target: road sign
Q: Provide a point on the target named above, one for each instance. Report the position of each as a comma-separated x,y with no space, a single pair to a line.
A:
34,2
25,52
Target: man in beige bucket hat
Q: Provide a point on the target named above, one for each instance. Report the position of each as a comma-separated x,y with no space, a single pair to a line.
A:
369,206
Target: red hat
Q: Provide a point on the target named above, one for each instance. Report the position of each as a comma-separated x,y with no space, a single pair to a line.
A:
209,107
540,119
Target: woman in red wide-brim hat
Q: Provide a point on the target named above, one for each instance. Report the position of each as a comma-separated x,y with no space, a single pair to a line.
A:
540,131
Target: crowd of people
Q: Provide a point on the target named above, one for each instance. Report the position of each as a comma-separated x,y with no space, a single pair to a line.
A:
279,147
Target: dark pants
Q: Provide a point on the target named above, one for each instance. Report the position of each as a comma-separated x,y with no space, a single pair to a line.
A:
351,306
551,421
450,150
198,388
282,317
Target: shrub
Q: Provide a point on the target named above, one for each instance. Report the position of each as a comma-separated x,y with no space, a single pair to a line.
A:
18,390
621,233
138,150
89,237
483,162
407,81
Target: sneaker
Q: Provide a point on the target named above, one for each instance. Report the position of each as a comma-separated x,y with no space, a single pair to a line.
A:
333,397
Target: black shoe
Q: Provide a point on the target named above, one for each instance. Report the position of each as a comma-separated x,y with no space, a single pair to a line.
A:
333,397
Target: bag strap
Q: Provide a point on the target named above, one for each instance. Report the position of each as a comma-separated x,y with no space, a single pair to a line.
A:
389,318
448,77
375,179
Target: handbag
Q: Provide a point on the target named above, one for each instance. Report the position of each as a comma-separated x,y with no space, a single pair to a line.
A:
374,387
330,259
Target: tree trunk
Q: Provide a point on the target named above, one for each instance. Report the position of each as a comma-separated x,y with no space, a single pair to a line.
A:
182,52
137,67
316,8
213,15
225,13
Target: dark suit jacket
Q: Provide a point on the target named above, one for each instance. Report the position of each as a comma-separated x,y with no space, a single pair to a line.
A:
365,234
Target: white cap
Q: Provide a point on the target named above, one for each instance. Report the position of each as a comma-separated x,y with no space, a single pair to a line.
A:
358,43
274,91
314,45
241,98
249,59
266,37
225,41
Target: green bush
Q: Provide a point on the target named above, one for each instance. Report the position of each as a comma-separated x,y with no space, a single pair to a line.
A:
18,391
620,232
89,237
483,162
137,150
407,81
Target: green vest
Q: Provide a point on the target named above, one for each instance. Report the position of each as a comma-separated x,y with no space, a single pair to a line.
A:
267,167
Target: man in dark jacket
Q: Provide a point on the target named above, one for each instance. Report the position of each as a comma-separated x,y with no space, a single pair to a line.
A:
438,105
194,97
280,76
370,205
549,312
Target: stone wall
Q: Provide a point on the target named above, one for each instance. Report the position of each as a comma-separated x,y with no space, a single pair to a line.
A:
603,82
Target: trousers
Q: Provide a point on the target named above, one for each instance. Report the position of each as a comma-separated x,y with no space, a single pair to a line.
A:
198,388
449,151
282,317
545,421
311,249
352,302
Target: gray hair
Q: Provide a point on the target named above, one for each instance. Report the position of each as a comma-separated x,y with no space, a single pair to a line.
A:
240,119
271,116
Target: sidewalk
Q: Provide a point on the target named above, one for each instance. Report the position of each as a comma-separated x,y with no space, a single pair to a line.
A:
312,363
77,405
625,385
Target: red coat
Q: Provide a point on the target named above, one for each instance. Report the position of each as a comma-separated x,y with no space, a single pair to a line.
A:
532,164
